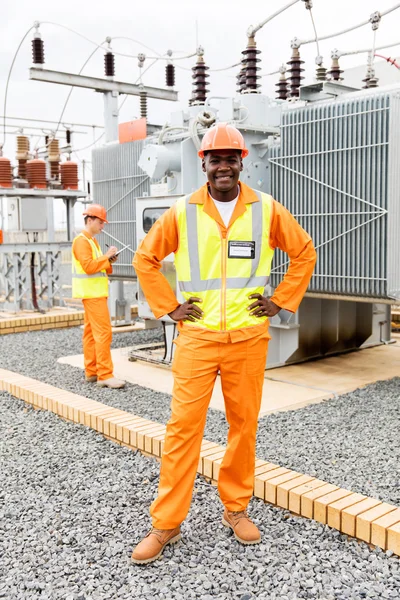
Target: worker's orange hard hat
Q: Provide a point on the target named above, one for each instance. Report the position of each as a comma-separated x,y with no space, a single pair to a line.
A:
223,137
96,210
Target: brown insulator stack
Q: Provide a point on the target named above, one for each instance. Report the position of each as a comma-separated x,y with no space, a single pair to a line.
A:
241,80
249,62
143,104
335,71
170,75
37,50
5,172
54,159
109,64
295,71
199,77
22,155
36,173
69,175
282,85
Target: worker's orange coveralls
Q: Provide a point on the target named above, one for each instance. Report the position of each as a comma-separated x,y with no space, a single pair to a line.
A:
97,334
238,355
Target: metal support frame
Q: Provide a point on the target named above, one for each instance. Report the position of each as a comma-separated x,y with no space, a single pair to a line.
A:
119,307
100,85
16,279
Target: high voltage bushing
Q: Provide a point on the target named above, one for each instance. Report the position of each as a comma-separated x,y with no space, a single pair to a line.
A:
335,70
109,64
241,80
249,62
53,151
5,172
69,175
282,85
36,173
170,75
200,82
320,73
371,81
22,155
295,71
143,104
38,50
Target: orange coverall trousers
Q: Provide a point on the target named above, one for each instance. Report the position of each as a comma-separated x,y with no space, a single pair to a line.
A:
195,367
97,338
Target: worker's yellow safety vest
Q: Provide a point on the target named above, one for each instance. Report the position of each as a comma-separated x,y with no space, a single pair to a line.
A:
224,272
88,286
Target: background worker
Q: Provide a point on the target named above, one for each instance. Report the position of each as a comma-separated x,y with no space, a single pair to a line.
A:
90,282
223,236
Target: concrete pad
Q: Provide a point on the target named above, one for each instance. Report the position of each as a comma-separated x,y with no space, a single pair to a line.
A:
286,388
276,395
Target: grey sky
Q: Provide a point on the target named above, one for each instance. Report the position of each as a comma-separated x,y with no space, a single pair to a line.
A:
163,25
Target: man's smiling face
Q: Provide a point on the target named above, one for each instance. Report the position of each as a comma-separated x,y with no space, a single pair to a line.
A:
223,169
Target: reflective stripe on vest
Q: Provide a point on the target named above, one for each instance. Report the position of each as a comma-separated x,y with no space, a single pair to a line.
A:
88,286
204,269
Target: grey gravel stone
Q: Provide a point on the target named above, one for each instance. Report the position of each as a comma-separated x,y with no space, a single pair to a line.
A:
73,505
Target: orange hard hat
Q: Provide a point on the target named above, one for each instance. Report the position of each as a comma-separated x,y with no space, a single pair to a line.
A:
96,210
223,137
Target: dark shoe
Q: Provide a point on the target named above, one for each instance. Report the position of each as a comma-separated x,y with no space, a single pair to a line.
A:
153,544
91,378
244,529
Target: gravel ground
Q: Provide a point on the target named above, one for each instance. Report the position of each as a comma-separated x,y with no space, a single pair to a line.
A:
352,441
72,506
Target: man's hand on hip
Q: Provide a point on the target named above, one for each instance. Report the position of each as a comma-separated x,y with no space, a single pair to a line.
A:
188,311
263,307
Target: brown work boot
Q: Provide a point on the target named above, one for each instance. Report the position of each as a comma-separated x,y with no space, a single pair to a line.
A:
112,382
153,544
244,529
91,378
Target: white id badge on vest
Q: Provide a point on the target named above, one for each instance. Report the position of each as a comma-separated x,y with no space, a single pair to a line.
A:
241,249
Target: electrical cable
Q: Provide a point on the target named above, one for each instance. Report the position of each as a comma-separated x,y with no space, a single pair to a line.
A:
137,80
115,38
350,52
159,55
72,89
390,60
136,42
90,145
315,32
331,35
253,30
226,68
70,125
8,79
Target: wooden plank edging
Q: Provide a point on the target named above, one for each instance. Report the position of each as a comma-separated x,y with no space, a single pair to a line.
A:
356,515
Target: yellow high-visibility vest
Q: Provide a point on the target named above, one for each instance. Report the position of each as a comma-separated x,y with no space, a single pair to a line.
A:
88,286
224,272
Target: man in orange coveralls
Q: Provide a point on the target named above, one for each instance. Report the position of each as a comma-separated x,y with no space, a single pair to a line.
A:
223,236
90,282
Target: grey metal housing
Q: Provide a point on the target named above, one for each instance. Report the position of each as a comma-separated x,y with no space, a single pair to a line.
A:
117,182
337,170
